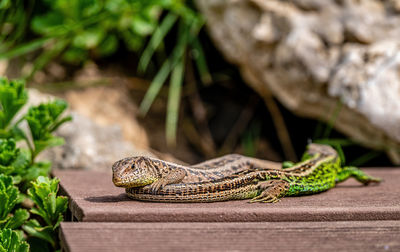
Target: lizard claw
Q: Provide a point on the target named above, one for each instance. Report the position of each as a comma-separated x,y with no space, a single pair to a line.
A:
372,180
264,199
158,185
271,191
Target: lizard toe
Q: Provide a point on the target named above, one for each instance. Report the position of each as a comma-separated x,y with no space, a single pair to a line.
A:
156,186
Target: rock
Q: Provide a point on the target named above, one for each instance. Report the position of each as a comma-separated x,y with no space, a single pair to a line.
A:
91,146
110,106
315,55
103,130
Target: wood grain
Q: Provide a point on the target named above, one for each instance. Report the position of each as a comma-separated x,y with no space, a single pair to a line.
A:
273,236
93,197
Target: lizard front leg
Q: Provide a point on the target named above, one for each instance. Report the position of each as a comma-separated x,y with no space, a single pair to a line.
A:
271,191
172,177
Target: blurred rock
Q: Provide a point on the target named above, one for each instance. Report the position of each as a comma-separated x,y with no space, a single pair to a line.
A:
91,146
314,54
98,135
110,106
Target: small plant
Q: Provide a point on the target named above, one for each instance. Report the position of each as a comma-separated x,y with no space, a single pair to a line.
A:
13,97
11,241
49,207
20,173
43,120
9,197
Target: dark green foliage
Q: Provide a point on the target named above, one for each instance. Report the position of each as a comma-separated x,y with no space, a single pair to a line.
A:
77,30
13,97
9,197
18,168
8,152
74,31
11,241
43,120
13,161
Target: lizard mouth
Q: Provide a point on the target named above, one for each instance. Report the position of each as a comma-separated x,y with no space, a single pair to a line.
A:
129,182
118,182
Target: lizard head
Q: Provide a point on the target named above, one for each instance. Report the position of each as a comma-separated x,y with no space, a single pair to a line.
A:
134,172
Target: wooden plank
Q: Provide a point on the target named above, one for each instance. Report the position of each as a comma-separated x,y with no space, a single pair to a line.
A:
274,236
93,197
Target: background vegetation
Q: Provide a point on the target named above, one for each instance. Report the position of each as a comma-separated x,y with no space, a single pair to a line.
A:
74,31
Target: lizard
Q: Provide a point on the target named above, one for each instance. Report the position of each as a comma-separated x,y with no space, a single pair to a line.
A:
259,181
141,171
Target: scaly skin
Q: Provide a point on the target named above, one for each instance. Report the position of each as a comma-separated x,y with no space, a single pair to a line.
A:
141,171
257,182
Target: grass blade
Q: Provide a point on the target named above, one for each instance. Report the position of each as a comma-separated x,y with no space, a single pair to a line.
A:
340,152
155,87
25,48
164,71
201,63
45,57
156,40
174,97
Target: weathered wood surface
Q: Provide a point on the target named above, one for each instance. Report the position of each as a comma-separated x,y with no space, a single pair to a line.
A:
262,236
93,197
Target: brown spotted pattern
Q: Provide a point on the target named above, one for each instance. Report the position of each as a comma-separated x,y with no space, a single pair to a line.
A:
233,177
141,171
246,180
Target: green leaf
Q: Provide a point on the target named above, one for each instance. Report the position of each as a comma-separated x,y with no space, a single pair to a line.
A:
164,71
88,39
42,121
156,40
108,46
8,152
50,53
33,228
8,196
24,48
18,134
341,154
42,118
37,169
19,218
60,122
201,63
13,97
40,145
49,206
142,26
11,241
74,55
174,98
21,163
